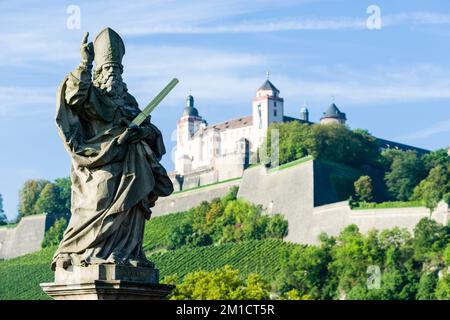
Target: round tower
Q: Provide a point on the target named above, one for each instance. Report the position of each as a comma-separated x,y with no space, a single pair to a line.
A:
333,116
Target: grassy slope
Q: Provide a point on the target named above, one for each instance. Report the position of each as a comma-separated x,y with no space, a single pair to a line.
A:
157,230
389,205
20,277
261,257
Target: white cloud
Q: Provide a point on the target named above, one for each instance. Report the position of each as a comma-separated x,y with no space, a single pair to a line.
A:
26,101
415,18
42,39
40,34
292,24
434,129
378,84
208,73
218,77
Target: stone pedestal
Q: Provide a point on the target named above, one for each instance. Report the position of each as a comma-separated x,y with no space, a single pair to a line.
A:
106,282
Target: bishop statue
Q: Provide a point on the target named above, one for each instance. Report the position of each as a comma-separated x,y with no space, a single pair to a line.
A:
114,183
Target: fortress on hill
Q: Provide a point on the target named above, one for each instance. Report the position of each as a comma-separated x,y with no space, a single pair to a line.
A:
311,193
207,154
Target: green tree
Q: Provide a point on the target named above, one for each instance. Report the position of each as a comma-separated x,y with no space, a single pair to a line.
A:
227,220
427,286
433,188
304,269
49,200
231,196
54,234
28,196
351,257
64,186
179,235
436,158
363,188
295,295
221,284
446,198
332,142
339,144
406,170
3,218
429,239
443,287
295,141
277,227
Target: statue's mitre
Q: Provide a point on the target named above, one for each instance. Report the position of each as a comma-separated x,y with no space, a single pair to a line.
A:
108,47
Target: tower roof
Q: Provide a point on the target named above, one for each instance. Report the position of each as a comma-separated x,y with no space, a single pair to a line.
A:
333,112
268,86
190,110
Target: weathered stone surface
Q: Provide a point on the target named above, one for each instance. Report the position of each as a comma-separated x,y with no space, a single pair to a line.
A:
293,191
91,273
106,282
107,290
116,178
26,237
185,200
116,172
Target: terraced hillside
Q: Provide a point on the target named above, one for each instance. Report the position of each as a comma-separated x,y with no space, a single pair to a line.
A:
20,277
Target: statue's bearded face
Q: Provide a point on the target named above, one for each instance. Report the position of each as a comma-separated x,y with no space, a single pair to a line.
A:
109,79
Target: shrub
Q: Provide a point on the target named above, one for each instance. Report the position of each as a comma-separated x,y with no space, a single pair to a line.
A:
227,220
433,188
54,234
427,286
406,170
221,284
387,204
446,198
277,227
363,188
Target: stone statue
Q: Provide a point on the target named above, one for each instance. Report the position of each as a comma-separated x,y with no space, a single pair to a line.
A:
113,185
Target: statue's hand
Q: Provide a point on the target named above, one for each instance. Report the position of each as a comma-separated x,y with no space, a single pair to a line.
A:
87,50
141,133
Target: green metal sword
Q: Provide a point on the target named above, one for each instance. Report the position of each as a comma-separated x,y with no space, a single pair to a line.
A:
148,109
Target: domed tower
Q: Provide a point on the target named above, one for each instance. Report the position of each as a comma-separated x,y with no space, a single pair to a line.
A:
190,110
190,120
333,116
187,126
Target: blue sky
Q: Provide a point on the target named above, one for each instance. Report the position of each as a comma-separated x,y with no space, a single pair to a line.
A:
394,81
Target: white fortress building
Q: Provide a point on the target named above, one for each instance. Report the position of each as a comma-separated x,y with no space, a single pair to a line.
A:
206,154
209,153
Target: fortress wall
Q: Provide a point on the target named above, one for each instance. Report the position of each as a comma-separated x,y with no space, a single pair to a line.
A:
185,200
288,191
3,235
291,191
334,217
442,213
333,182
25,238
387,218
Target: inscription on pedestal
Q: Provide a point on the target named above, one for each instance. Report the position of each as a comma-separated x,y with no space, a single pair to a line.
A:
77,274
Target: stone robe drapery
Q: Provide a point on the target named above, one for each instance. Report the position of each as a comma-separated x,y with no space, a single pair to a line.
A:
114,187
